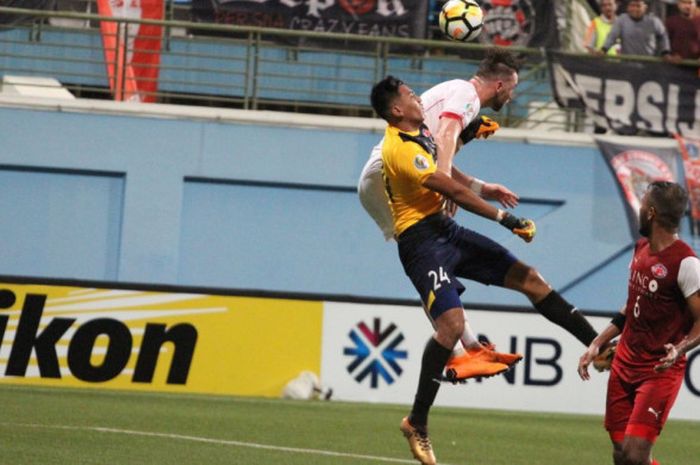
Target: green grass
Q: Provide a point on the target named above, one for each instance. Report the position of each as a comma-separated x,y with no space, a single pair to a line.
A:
57,426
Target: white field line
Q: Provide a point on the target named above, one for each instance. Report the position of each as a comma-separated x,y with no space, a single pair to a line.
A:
180,437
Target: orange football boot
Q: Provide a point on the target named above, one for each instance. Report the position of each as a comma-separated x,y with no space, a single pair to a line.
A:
487,352
466,366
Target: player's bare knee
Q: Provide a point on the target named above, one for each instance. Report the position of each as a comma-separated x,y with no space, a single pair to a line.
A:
450,325
528,280
618,455
635,456
453,330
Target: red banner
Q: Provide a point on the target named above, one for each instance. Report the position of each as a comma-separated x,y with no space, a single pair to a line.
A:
132,51
690,151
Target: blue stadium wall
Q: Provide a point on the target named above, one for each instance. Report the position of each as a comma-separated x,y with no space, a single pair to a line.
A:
268,203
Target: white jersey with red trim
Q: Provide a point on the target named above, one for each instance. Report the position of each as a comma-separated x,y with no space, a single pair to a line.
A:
450,99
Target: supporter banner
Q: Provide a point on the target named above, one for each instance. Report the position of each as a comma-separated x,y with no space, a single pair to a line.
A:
690,151
519,22
373,353
132,64
635,168
658,98
396,18
155,341
8,19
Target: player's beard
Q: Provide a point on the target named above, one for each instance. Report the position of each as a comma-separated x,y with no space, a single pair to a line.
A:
644,226
497,103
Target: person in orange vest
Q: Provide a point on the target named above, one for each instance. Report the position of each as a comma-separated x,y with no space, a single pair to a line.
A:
599,28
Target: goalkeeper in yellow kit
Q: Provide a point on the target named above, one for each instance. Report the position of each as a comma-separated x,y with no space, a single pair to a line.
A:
435,251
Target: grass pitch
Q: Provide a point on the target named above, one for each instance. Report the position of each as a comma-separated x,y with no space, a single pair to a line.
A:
63,426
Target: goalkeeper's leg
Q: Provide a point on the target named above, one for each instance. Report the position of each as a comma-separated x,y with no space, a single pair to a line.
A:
548,302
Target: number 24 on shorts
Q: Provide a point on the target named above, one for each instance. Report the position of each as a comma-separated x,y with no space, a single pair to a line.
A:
438,277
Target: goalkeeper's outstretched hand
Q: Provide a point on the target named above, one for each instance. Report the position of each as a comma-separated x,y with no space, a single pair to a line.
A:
481,127
487,128
522,227
526,230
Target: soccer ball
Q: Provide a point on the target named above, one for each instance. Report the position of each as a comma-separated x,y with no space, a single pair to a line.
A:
461,20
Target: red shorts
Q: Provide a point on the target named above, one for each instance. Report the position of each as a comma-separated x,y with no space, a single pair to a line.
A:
640,408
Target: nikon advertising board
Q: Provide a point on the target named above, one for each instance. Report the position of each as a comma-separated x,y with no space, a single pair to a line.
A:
161,341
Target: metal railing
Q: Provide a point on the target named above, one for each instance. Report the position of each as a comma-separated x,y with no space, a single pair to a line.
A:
258,68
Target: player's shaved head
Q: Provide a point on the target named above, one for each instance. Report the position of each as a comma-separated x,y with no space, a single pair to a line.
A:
499,63
383,94
670,201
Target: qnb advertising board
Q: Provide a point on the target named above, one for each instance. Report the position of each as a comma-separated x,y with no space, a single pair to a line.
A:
152,340
373,353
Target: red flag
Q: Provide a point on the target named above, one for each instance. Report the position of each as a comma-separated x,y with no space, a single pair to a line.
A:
132,51
146,58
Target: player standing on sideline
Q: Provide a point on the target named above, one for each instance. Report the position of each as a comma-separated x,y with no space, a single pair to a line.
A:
659,324
451,113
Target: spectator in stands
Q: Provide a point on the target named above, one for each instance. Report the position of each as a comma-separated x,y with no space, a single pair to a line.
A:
638,33
659,8
600,27
684,31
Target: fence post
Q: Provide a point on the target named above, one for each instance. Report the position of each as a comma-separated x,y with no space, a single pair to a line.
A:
248,74
121,58
256,59
169,13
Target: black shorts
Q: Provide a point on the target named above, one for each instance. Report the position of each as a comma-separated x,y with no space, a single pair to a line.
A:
436,250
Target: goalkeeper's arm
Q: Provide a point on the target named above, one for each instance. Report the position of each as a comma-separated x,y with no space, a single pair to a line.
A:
450,136
470,201
481,127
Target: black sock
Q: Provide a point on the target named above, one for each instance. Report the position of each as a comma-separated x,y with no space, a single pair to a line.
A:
559,311
435,357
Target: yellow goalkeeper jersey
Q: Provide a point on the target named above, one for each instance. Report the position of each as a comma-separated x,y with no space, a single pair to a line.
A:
408,159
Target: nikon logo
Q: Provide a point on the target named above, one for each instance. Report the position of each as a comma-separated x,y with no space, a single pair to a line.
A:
28,338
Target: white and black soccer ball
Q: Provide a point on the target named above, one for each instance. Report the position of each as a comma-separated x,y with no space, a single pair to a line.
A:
461,20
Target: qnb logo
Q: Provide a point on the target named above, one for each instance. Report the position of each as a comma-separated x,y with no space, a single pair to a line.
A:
375,353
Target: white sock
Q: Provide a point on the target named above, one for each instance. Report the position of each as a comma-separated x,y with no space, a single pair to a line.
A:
467,340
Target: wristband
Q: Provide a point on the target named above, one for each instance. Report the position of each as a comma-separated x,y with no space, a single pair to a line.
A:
619,320
509,221
477,185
